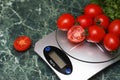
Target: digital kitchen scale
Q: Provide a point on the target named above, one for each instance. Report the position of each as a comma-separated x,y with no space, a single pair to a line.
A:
72,61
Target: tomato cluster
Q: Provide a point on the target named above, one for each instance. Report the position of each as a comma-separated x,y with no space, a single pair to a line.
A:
93,26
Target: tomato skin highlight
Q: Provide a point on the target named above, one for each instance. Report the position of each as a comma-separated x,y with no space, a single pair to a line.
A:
65,21
76,34
95,34
93,10
102,20
22,43
111,42
84,20
114,27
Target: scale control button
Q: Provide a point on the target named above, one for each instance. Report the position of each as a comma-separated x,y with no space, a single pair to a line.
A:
68,70
48,48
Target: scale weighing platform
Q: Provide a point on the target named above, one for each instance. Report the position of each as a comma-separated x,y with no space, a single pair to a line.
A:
73,61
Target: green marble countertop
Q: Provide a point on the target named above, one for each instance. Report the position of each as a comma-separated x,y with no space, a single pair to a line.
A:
36,19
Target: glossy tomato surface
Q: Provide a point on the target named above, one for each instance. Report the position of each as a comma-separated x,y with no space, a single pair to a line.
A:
102,20
95,34
65,21
76,34
111,42
114,27
84,20
93,10
22,43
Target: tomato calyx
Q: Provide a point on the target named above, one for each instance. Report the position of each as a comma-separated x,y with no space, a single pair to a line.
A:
98,22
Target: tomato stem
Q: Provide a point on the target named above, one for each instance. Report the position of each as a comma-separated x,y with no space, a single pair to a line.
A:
86,32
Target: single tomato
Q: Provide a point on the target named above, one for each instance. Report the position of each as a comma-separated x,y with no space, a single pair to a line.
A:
93,10
114,27
22,43
102,20
65,21
111,42
84,20
95,34
76,34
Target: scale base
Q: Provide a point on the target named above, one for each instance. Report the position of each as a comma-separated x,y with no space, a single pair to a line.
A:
81,70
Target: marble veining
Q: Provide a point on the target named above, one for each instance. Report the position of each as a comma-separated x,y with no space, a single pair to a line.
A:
36,19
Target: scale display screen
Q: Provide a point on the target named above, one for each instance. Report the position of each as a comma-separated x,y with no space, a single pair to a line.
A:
57,59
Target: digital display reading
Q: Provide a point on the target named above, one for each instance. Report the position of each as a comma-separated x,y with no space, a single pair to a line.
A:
57,59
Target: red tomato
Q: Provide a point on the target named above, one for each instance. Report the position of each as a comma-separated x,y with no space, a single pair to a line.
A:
95,34
111,42
65,21
22,43
84,20
76,34
102,20
93,10
114,27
